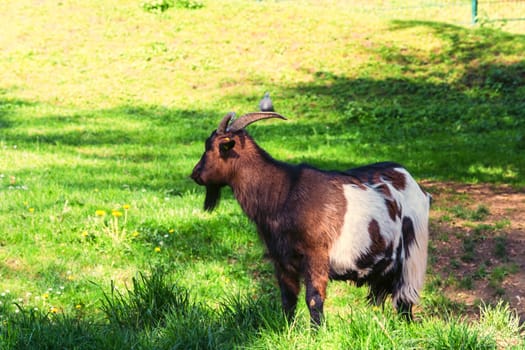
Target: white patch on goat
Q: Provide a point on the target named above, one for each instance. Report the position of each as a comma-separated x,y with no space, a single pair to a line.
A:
416,205
362,206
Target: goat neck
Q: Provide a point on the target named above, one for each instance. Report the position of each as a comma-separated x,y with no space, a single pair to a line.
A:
258,176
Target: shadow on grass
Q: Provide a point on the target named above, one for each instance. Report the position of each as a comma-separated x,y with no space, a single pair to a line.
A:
124,125
154,313
471,128
140,148
8,106
456,113
435,130
157,314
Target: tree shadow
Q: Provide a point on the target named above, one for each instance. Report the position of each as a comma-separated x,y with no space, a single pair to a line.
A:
111,155
478,52
470,128
8,106
104,127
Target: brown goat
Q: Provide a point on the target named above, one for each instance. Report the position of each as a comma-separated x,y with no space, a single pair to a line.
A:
368,224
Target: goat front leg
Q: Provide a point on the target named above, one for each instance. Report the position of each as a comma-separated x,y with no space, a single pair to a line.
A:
316,279
289,283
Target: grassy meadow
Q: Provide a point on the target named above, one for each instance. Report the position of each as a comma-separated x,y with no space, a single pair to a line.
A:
104,109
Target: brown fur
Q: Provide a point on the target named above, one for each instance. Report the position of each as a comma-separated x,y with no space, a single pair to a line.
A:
393,209
409,235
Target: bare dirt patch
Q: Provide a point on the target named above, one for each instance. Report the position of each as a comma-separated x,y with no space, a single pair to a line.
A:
478,243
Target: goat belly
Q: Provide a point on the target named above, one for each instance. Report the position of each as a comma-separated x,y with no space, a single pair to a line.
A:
369,237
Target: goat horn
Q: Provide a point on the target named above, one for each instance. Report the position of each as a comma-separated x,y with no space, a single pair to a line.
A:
224,123
249,118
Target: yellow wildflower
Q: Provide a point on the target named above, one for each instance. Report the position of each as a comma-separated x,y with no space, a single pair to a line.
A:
45,295
53,310
116,213
31,210
78,306
171,231
157,249
126,206
100,213
85,234
135,234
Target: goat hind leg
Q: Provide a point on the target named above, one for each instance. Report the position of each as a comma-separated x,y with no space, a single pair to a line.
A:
290,286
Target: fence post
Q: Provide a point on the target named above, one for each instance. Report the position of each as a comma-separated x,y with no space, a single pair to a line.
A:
474,11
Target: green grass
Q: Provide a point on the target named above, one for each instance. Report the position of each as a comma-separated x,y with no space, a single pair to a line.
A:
105,106
155,313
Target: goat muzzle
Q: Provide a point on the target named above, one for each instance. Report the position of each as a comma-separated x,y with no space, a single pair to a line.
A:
196,174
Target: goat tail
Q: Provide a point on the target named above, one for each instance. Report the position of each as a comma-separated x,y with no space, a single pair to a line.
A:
415,234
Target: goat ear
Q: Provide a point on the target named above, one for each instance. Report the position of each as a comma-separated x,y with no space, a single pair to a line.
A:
224,147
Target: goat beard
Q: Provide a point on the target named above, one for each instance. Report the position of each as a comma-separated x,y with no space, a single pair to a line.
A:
213,196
